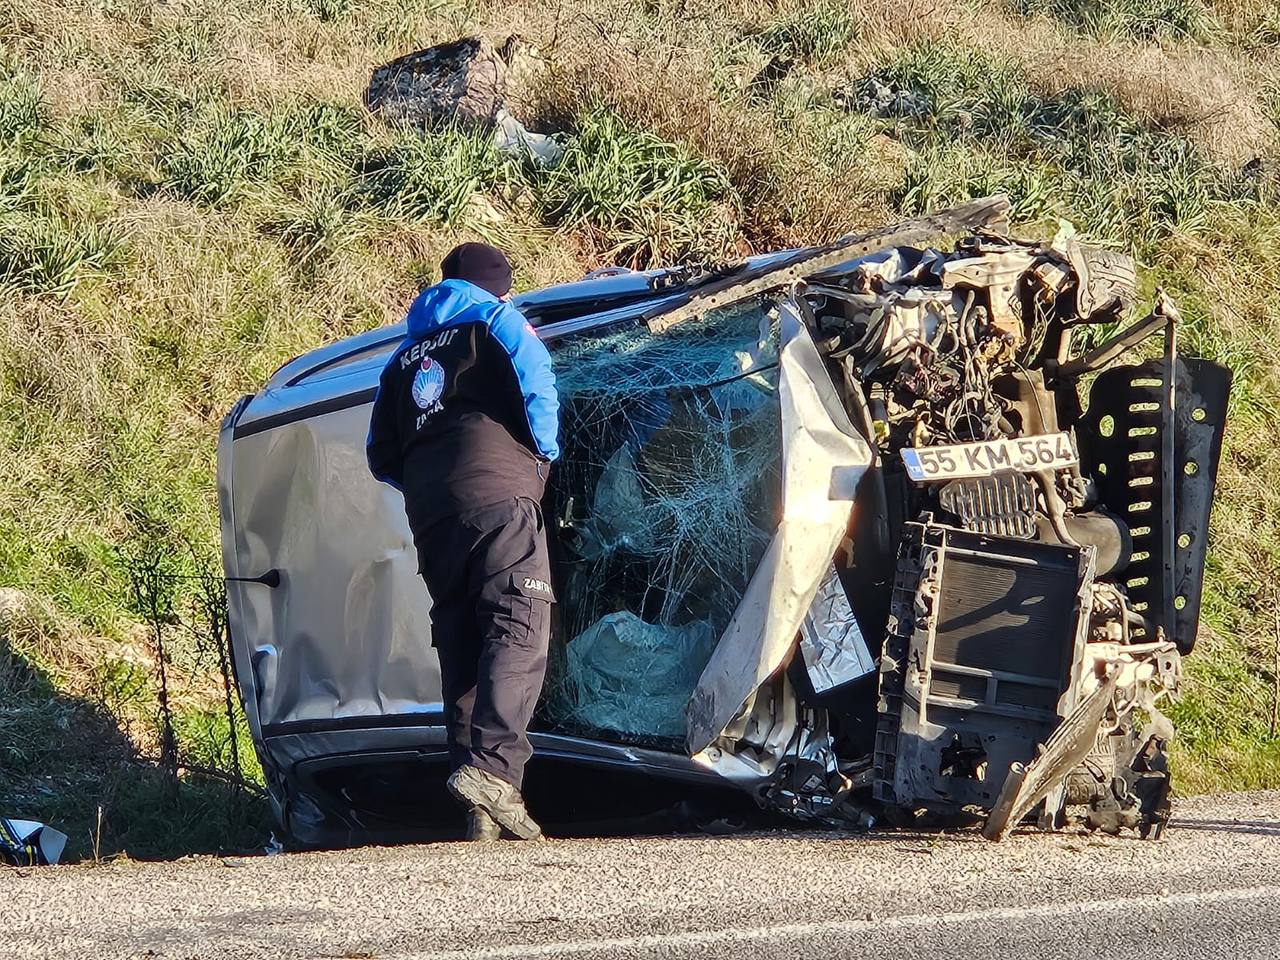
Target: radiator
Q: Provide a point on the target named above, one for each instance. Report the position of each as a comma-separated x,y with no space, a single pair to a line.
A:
980,662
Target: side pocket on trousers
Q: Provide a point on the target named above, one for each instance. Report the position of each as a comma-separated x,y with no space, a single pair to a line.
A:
526,608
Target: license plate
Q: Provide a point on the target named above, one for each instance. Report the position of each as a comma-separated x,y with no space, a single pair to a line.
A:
956,461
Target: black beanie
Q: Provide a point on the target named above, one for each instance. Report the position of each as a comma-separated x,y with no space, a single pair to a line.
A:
485,266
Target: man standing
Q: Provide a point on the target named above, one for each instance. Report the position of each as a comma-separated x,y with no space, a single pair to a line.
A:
465,425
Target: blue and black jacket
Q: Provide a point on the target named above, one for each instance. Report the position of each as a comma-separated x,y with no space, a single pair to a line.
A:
466,413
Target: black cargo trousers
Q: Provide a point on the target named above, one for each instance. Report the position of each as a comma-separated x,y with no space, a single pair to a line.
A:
489,577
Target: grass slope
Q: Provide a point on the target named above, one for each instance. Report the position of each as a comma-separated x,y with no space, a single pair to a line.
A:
191,194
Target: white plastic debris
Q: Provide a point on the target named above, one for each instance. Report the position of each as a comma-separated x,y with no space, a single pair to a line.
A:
511,136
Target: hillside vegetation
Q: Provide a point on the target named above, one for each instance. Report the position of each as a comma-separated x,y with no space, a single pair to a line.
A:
191,193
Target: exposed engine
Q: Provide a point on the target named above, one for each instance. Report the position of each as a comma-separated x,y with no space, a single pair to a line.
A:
1048,553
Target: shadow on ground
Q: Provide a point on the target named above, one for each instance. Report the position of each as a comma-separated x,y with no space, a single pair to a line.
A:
65,761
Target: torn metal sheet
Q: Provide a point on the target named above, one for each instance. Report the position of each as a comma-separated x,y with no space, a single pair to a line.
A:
1029,784
772,729
988,213
834,650
823,459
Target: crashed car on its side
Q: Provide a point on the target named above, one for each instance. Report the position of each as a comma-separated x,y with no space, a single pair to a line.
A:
840,526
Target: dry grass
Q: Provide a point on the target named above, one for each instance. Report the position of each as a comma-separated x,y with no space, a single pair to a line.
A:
1213,97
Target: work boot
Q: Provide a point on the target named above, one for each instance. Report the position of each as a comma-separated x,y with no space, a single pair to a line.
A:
481,827
479,789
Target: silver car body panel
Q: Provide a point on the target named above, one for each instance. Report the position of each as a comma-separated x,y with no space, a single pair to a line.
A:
329,619
823,458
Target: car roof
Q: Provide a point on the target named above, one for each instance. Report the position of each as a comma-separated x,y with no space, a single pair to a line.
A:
345,372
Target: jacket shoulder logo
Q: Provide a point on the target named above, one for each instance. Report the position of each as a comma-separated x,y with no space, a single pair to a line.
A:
428,383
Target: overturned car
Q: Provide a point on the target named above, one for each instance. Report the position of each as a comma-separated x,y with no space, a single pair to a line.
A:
881,530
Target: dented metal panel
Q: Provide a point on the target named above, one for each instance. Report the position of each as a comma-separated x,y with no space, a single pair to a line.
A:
823,459
346,632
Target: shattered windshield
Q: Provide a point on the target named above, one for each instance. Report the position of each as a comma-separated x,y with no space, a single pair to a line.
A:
662,505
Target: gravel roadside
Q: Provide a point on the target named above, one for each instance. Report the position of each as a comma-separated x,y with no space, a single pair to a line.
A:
664,896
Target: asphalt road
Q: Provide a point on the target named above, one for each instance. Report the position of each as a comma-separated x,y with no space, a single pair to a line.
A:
1210,889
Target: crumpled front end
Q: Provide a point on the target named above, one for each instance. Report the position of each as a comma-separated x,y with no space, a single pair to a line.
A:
1021,557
